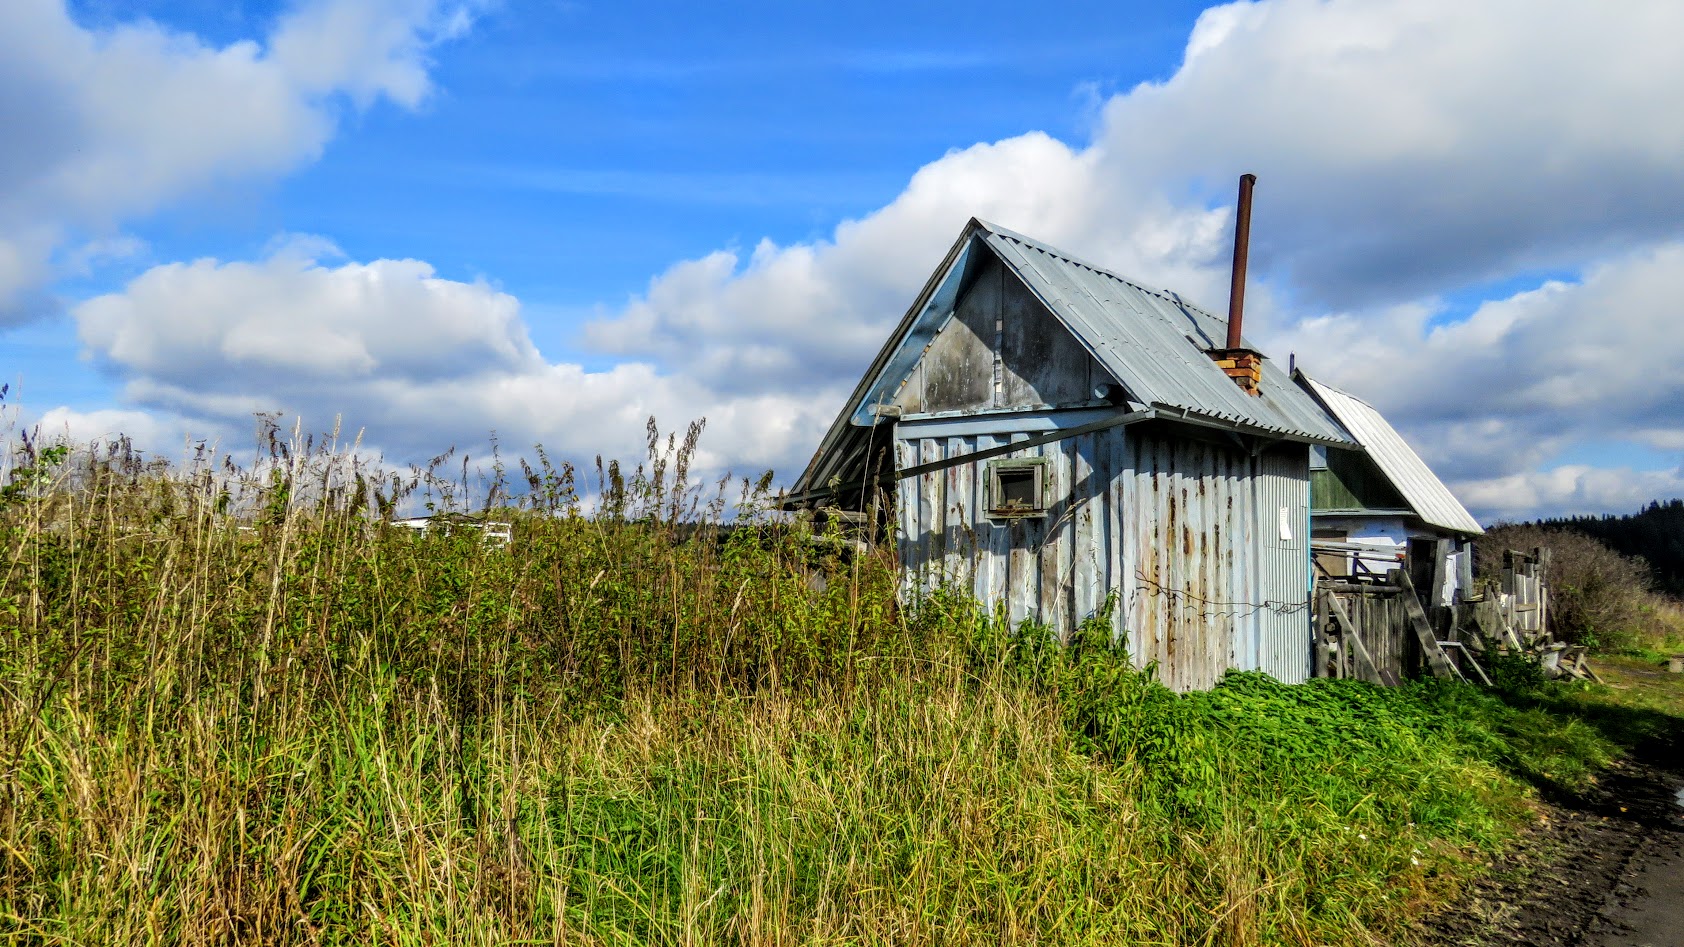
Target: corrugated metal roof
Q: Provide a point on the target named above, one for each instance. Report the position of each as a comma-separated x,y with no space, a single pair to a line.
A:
1431,500
1155,343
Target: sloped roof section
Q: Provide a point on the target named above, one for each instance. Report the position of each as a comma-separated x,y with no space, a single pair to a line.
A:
1431,500
1156,344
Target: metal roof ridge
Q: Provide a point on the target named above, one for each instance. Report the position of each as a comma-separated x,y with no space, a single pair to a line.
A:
1168,295
1430,498
1339,391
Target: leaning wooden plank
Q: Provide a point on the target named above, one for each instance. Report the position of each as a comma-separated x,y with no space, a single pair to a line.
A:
1381,675
1467,656
1477,669
1437,660
1506,623
1353,634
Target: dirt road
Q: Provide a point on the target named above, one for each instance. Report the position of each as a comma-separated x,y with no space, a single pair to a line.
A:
1648,903
1604,870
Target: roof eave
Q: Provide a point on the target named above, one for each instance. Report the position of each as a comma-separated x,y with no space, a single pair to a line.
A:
885,356
1177,413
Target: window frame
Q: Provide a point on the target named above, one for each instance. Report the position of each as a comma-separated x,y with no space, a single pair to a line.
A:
1037,466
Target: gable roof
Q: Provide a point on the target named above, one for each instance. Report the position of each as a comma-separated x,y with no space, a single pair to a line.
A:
1427,495
1153,342
1157,344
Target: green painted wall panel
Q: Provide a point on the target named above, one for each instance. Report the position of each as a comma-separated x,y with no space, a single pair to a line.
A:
1352,482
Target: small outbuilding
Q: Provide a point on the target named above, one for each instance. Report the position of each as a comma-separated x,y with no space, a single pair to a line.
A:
1380,506
1057,439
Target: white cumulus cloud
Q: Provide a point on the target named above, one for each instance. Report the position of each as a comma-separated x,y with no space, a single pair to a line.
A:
1408,151
1570,488
1525,376
103,125
418,361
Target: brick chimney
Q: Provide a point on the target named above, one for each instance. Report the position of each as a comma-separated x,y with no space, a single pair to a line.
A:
1243,365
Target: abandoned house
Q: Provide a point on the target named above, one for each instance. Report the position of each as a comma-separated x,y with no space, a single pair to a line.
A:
1382,508
1049,435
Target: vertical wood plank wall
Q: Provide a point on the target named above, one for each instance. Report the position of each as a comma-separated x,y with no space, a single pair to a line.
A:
1184,531
1381,622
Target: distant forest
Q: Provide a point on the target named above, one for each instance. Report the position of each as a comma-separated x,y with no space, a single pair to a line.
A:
1656,534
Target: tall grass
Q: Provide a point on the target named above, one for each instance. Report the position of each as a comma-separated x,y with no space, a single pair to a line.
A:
237,704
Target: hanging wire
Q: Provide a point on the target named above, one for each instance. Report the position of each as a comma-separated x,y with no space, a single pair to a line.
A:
1187,601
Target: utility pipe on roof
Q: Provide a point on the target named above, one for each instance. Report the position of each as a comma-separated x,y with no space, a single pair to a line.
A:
1242,249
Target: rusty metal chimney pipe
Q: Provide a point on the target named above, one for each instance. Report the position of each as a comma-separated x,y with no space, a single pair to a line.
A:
1242,249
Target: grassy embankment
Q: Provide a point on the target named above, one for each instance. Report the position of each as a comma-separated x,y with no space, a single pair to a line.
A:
234,708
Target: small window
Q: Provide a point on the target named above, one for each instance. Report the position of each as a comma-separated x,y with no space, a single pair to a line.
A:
1017,488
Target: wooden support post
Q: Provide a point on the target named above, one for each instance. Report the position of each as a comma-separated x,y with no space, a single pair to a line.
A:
1437,661
1441,551
1324,649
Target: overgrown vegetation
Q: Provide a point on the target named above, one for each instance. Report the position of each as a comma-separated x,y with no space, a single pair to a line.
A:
237,705
1598,597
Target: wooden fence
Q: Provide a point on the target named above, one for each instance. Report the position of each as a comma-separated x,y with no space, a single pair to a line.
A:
1522,599
1380,631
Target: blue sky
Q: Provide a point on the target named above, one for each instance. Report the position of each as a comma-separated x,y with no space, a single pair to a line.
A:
439,218
571,151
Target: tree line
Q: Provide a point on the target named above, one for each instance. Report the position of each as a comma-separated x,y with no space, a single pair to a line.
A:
1655,533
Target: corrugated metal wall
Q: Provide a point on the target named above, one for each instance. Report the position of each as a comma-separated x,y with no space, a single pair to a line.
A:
1283,563
1183,530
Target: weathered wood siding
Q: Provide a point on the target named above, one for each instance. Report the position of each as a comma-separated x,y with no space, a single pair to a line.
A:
1185,531
1001,349
1378,618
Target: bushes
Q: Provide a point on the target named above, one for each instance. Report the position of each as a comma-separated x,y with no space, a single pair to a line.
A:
1656,533
1597,596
